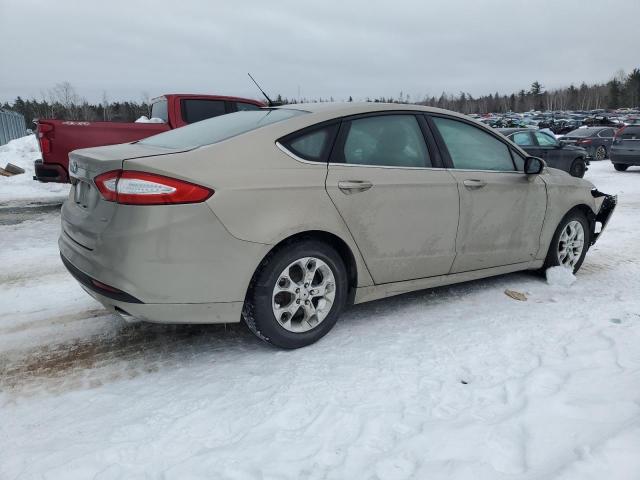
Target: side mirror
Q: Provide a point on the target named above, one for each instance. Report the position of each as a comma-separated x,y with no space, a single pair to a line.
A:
533,165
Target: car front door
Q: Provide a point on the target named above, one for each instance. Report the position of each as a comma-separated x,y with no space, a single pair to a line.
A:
401,209
501,208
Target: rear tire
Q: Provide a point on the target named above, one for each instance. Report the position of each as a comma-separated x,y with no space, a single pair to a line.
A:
601,153
621,167
288,309
578,168
573,229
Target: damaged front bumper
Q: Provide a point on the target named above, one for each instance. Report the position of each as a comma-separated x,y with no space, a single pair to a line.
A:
607,204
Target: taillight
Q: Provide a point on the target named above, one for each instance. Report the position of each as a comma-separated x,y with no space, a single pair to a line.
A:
141,188
106,183
45,143
618,134
585,141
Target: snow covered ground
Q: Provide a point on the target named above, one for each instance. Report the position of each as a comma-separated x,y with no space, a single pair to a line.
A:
461,382
21,188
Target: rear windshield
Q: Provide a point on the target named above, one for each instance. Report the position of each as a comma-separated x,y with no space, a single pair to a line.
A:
630,133
582,132
220,128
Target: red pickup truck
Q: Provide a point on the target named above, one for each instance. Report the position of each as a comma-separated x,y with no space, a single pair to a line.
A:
59,137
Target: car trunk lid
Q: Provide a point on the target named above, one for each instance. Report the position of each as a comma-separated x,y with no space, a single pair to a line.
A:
86,213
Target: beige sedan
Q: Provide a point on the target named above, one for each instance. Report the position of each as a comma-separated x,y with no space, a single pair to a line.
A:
284,216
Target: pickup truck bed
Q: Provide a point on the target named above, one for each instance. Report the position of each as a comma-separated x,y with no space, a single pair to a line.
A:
63,136
59,137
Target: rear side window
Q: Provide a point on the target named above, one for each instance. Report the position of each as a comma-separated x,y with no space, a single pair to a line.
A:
471,148
312,145
522,138
198,110
220,128
246,106
159,110
607,133
386,140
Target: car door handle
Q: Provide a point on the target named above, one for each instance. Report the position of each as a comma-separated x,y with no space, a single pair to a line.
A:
354,186
474,184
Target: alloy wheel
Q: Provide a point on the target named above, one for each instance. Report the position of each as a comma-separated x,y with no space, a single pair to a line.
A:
304,294
571,244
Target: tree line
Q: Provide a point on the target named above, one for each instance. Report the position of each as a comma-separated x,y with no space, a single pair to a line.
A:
623,90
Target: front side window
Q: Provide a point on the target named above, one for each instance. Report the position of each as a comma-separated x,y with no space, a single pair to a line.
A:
198,110
312,145
386,140
545,140
522,138
219,128
471,148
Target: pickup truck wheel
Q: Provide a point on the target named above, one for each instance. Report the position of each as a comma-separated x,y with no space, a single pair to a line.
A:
296,294
621,167
601,153
570,242
578,168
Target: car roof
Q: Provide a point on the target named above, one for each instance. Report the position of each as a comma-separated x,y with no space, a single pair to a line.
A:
353,108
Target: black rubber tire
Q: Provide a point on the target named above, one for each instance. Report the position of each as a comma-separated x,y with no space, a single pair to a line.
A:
258,313
603,149
621,167
578,168
552,259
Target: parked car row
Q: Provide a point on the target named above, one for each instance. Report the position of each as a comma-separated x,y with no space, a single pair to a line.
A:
561,122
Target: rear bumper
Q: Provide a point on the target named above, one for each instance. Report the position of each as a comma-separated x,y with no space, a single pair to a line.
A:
625,159
50,172
603,216
166,264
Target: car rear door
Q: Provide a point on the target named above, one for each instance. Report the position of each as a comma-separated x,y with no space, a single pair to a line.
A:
501,208
401,208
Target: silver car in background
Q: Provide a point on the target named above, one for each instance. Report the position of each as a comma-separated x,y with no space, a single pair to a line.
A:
284,216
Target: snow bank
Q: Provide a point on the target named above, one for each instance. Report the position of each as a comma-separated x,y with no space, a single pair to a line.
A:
22,188
145,119
560,277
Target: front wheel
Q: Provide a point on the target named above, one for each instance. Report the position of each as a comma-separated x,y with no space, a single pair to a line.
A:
570,242
297,294
621,167
578,168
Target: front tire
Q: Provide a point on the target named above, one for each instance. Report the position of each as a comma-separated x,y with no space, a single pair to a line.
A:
621,167
578,168
297,294
570,242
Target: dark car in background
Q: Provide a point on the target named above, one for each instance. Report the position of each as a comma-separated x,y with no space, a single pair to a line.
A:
596,141
570,158
625,150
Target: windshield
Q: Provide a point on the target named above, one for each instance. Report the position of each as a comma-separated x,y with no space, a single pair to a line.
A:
219,128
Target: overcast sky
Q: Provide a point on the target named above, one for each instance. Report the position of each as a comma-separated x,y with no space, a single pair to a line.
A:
322,49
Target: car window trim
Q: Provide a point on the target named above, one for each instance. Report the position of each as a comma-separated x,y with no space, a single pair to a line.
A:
444,151
337,158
